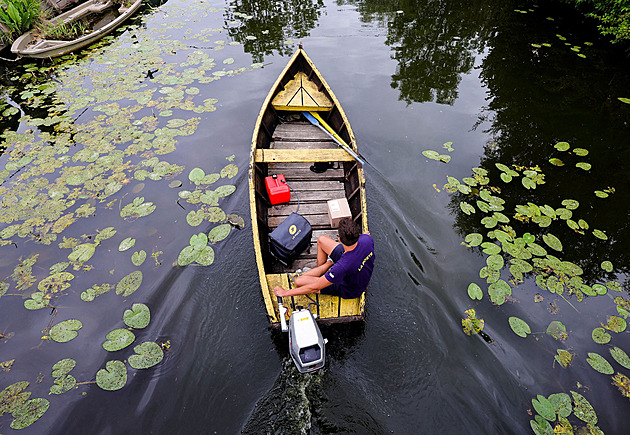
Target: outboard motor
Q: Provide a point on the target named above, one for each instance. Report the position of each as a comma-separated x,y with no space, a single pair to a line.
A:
307,347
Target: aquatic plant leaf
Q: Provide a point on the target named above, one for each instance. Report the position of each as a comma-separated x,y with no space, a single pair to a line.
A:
615,324
205,256
104,234
38,300
607,266
63,367
561,403
127,243
600,336
474,291
430,154
471,324
570,204
622,383
147,355
65,331
583,165
562,146
564,357
552,241
580,152
82,253
229,171
129,283
540,426
226,190
55,283
196,175
137,317
601,194
210,178
519,326
96,290
614,285
624,100
219,233
198,241
29,413
599,363
187,256
620,356
489,221
557,330
600,234
62,384
113,376
473,239
195,217
544,408
138,257
556,162
467,208
137,208
495,262
490,248
12,397
118,339
582,409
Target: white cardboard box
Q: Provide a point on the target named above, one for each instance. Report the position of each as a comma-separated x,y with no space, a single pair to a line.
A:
337,210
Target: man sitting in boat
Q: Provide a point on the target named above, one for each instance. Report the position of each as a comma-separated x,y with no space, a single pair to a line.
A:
343,269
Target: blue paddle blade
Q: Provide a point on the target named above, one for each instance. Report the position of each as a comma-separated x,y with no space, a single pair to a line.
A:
310,118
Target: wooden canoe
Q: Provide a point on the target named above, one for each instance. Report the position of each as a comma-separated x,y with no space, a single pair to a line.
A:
284,142
32,45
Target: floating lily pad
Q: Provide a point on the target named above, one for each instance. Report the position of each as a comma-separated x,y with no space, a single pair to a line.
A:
137,317
600,336
219,233
557,330
544,407
129,284
564,357
473,239
63,367
552,241
82,253
580,152
582,409
519,326
474,291
147,355
65,331
205,256
62,384
113,376
583,165
561,403
570,204
562,146
620,356
38,300
118,339
471,324
198,241
137,208
175,184
607,266
195,217
55,283
615,324
599,363
29,413
13,397
196,175
599,289
495,262
226,190
600,234
187,256
229,171
556,162
127,243
540,426
467,208
138,257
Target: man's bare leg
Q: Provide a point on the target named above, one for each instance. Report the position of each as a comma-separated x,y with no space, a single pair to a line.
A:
325,245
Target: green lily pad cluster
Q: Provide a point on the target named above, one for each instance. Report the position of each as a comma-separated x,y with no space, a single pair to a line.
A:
197,251
557,409
471,324
434,155
15,401
63,381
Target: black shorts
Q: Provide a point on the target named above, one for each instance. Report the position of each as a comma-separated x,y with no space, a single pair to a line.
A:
334,289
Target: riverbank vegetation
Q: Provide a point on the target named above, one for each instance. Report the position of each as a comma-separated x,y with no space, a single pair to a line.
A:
18,16
613,16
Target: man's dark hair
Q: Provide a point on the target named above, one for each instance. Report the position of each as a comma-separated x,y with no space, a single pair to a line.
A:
349,231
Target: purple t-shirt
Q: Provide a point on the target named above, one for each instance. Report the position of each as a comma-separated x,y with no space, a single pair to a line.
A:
351,274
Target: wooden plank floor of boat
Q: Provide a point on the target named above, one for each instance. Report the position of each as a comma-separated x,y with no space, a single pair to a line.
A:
313,191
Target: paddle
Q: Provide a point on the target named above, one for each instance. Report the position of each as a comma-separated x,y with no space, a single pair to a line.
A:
317,121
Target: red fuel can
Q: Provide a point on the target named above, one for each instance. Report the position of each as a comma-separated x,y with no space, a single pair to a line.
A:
277,189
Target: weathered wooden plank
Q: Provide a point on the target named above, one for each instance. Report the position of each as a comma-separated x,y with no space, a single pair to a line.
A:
309,196
328,306
316,185
301,94
349,307
306,166
301,155
305,209
308,175
298,132
288,145
316,220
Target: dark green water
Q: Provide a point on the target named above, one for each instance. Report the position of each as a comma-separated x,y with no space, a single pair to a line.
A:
411,76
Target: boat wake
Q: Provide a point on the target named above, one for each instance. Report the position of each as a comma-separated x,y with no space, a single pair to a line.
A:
289,406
